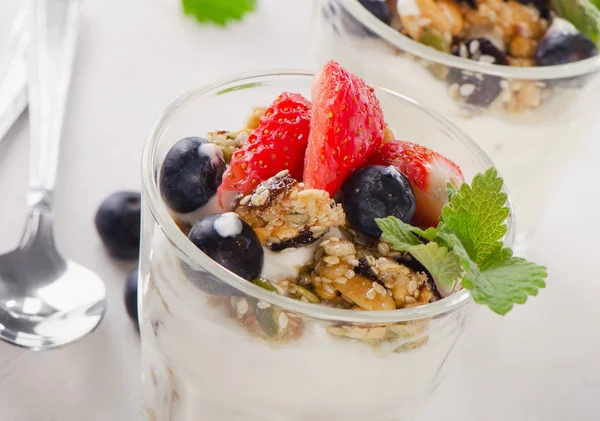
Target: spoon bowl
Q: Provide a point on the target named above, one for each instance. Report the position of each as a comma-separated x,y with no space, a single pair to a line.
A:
46,300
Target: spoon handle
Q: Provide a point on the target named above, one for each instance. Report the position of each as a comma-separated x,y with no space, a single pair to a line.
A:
54,27
13,73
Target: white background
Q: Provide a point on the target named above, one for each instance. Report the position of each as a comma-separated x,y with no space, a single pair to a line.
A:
541,362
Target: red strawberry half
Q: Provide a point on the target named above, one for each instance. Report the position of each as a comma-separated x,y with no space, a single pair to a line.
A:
345,130
428,172
278,143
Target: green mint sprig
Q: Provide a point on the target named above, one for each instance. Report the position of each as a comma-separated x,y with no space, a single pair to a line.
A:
466,248
583,14
217,11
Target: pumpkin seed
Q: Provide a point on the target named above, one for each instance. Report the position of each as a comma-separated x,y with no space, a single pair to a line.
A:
298,292
264,283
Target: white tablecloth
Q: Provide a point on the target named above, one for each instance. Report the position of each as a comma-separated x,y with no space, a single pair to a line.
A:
541,362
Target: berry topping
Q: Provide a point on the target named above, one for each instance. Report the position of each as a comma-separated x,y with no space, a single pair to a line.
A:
477,89
231,242
279,143
480,49
379,8
345,130
190,174
429,174
130,295
563,45
118,224
377,192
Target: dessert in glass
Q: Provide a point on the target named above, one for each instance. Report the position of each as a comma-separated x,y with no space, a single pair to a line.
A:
279,276
520,77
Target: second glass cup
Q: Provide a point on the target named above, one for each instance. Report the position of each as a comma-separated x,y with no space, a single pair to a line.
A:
530,121
254,355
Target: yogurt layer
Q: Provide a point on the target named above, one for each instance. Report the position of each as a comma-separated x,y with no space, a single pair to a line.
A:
198,364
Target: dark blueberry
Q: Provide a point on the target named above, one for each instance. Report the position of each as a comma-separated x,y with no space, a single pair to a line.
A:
477,88
563,48
379,9
480,49
208,283
231,242
190,174
364,269
543,6
118,224
342,21
413,264
471,3
131,303
377,192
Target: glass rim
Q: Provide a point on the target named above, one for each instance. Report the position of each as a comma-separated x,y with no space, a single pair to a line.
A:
166,223
407,44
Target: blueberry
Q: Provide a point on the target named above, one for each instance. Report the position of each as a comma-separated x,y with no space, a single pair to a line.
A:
477,89
343,21
231,242
562,48
118,224
377,192
481,49
131,287
190,174
413,264
379,8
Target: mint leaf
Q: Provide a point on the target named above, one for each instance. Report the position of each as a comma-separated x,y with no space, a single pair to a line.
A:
476,215
502,284
498,254
217,11
429,234
467,246
582,14
441,263
506,283
398,233
450,190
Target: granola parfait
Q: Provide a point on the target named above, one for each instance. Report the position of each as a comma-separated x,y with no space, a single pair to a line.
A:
519,76
319,260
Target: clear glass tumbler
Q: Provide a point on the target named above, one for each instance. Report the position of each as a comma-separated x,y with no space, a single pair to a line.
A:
253,355
528,120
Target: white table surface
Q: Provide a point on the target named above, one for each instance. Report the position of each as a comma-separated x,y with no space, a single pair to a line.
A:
541,362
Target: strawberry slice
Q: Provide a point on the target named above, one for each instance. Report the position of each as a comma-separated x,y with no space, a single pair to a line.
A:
428,172
278,143
345,130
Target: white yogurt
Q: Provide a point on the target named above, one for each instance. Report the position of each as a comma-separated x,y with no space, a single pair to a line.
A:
228,225
286,264
213,151
198,364
210,208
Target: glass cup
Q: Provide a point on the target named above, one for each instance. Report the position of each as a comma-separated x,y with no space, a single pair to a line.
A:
528,120
236,351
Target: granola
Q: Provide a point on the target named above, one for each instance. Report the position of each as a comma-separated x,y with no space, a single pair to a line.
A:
284,214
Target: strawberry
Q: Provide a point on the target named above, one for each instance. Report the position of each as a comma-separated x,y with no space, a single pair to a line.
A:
428,172
278,143
345,130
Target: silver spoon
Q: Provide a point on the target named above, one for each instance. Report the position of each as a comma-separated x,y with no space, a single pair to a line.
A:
46,300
